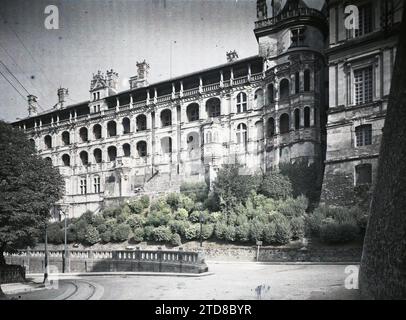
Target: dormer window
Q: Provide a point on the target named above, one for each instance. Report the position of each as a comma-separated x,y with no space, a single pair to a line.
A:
298,36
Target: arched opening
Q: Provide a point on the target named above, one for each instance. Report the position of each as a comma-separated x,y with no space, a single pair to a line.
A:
84,158
141,122
111,128
242,134
213,107
307,117
166,118
97,153
284,89
112,153
192,112
126,125
192,141
284,123
83,134
306,84
32,143
48,160
66,160
297,82
126,150
271,127
271,93
241,102
142,148
297,119
65,138
48,142
259,99
97,131
166,145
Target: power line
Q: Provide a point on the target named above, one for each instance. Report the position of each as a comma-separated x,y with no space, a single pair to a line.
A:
13,86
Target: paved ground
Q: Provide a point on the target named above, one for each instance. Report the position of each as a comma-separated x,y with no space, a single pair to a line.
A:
229,281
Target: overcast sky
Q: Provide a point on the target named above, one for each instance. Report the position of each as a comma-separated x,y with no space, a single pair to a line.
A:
103,34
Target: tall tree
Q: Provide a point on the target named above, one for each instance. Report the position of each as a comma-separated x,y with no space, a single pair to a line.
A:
29,187
383,263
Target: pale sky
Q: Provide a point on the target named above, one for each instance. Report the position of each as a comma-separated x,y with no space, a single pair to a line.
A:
105,34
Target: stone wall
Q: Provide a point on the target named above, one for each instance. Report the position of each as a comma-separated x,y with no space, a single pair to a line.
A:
12,273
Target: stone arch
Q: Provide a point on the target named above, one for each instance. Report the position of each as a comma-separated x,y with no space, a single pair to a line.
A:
259,98
97,131
284,123
284,89
213,107
66,160
297,119
270,127
142,149
48,141
166,118
83,134
126,125
307,117
97,154
65,138
126,150
84,158
112,153
141,122
192,112
111,128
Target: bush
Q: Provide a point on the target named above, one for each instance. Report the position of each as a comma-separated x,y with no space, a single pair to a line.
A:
194,217
256,230
148,233
135,221
293,207
56,235
159,218
162,234
136,206
220,229
92,235
283,233
269,233
276,186
175,240
297,225
186,203
111,212
207,231
242,232
333,232
106,236
81,227
214,217
196,191
71,233
145,201
315,221
179,226
229,233
191,231
159,205
138,235
98,220
87,216
121,232
181,214
173,200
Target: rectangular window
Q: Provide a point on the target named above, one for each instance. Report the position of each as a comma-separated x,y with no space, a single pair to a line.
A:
96,184
365,20
363,85
83,186
363,174
297,37
363,135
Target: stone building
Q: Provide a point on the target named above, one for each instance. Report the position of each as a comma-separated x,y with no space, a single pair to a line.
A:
315,91
360,66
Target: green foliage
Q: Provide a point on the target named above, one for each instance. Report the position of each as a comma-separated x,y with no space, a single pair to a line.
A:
148,233
175,240
81,228
220,230
29,187
191,231
276,186
136,206
102,228
145,201
106,236
98,220
87,217
71,234
256,230
229,233
138,235
198,192
293,207
214,217
207,231
194,217
162,234
159,205
283,232
242,232
55,234
186,203
334,233
121,232
136,221
173,200
91,235
181,214
159,218
179,226
269,233
111,212
297,225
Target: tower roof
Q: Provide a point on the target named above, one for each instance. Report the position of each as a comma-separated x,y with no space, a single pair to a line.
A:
293,4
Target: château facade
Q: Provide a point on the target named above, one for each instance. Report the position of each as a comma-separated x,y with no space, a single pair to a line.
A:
257,111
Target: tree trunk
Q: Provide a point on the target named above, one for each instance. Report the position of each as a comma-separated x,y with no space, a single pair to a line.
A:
2,259
383,263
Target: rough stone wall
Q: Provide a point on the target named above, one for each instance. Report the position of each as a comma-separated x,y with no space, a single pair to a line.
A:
383,265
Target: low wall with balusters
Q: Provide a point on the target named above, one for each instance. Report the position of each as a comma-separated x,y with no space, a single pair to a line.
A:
111,261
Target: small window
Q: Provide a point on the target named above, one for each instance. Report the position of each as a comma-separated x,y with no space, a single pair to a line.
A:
363,85
298,36
96,184
192,111
365,20
363,135
126,125
83,186
306,84
271,128
112,153
213,107
141,122
241,102
307,117
166,118
271,93
297,83
284,89
242,134
284,123
297,119
142,149
66,160
48,142
126,150
363,174
112,128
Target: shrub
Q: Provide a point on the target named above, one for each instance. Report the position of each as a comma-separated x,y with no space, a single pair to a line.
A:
175,240
159,205
242,232
144,200
293,207
220,229
87,216
283,233
138,235
207,231
198,206
92,235
71,233
173,200
135,221
186,203
315,221
269,233
56,235
333,232
191,231
162,234
136,206
179,226
195,191
148,233
256,230
98,220
111,212
121,232
297,225
194,217
276,186
214,217
81,227
241,219
106,236
159,218
229,233
181,214
212,202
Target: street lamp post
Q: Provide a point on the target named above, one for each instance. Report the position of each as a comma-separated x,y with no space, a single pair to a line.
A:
46,254
65,251
201,220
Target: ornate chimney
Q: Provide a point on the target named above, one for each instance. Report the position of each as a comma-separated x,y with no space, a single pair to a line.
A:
63,93
112,80
141,79
32,105
232,56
